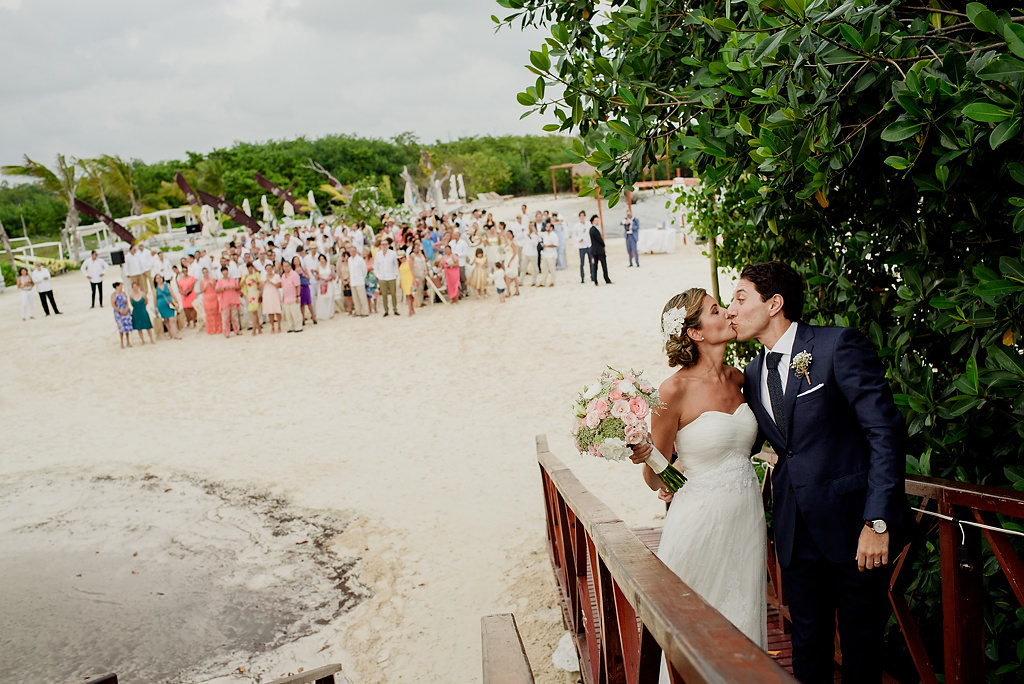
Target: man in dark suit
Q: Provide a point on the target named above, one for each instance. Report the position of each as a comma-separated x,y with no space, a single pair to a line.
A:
597,253
822,401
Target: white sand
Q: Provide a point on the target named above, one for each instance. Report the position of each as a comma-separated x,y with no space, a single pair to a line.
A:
419,429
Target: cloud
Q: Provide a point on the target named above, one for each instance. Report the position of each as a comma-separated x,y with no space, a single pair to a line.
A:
153,81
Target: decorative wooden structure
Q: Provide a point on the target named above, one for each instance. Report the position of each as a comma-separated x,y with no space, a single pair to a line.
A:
624,608
608,579
504,657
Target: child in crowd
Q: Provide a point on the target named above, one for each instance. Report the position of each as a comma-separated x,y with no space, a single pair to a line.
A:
498,276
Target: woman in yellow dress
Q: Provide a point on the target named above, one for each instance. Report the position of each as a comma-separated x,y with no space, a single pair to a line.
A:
478,278
252,291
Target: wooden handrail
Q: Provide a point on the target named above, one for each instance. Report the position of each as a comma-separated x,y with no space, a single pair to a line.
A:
504,657
643,608
320,675
103,679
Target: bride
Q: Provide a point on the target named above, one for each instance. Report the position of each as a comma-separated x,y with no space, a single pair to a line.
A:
714,537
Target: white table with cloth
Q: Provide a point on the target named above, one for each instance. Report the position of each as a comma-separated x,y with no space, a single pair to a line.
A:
656,241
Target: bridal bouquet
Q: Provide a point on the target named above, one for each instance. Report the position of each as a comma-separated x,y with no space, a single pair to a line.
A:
610,416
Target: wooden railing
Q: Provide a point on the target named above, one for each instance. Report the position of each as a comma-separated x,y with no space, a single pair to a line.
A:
504,657
642,608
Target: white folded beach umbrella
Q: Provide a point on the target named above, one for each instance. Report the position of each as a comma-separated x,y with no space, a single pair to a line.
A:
246,208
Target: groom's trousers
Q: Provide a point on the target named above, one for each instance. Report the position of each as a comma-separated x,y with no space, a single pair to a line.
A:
819,591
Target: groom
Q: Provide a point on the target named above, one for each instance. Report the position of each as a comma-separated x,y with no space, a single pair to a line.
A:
821,400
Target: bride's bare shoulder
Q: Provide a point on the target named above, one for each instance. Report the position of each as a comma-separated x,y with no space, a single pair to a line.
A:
673,387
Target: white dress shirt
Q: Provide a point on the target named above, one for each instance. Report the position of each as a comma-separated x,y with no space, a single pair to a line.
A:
94,269
581,235
385,265
784,346
41,277
132,264
357,271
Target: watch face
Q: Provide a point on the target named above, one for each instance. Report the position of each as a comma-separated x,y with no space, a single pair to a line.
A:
878,526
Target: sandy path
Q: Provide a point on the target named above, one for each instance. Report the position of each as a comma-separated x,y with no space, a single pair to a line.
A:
419,429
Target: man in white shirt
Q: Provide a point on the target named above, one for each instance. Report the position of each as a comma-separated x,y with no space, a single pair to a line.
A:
162,265
41,278
549,257
146,266
385,265
94,268
461,248
581,236
357,281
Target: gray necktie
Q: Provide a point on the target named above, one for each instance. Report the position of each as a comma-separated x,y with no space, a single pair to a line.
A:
775,390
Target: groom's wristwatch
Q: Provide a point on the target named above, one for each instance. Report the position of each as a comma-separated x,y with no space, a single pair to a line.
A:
878,526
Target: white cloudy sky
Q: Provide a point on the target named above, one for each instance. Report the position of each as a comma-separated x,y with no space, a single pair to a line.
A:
150,80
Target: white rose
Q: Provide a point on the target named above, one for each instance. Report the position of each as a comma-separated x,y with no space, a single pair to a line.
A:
626,387
591,391
614,449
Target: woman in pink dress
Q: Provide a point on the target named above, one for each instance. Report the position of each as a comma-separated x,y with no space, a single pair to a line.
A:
450,264
272,299
230,303
211,305
187,288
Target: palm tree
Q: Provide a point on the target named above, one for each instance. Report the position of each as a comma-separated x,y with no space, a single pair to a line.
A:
120,176
63,182
95,172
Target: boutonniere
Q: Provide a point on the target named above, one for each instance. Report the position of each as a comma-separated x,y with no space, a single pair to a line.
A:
802,365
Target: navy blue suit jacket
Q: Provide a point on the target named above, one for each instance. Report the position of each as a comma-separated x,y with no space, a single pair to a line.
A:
842,460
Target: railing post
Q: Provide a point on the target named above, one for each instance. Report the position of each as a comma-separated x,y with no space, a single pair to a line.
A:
962,611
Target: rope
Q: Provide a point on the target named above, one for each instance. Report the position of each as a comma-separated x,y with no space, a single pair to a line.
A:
968,522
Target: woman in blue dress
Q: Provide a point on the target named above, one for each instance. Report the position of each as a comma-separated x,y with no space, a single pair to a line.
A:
122,315
166,307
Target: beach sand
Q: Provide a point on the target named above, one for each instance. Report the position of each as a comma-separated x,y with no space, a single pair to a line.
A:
419,432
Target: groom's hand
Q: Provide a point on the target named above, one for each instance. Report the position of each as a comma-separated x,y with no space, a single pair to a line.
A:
872,550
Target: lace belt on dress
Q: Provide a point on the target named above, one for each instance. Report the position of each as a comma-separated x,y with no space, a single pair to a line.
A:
734,473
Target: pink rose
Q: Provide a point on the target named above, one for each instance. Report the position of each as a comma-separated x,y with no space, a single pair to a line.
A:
646,386
629,377
601,408
620,409
593,450
639,407
576,427
636,434
592,420
630,419
615,395
591,404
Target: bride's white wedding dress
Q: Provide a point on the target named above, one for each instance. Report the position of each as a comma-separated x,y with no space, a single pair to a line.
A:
714,536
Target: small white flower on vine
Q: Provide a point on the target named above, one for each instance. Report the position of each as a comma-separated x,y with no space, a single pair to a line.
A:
672,322
802,365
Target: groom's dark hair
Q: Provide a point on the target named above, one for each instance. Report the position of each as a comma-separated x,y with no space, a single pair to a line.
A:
776,278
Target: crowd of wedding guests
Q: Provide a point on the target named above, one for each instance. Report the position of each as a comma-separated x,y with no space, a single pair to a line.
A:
284,280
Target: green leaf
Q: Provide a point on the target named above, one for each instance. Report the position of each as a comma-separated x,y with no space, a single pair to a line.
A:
1003,132
767,47
1009,361
997,288
982,17
1003,68
797,6
1014,36
985,111
621,128
898,163
1011,268
526,99
972,374
901,130
724,24
540,59
1016,170
851,35
942,303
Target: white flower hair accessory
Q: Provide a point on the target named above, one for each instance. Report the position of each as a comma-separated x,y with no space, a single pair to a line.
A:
802,365
672,323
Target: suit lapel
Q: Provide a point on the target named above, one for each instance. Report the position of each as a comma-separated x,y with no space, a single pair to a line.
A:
794,385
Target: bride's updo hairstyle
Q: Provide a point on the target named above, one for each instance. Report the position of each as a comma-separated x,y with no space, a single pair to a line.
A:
680,314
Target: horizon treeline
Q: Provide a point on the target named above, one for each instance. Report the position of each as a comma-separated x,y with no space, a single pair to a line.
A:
509,165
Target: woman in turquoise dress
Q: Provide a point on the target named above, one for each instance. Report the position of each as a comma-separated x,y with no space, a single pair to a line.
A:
122,315
140,317
166,306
